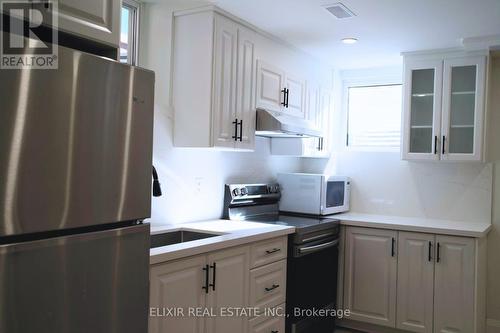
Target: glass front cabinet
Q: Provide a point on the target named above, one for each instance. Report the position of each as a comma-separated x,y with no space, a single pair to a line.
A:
444,108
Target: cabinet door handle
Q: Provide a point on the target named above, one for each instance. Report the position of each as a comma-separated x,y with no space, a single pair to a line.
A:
438,257
443,144
393,247
240,137
214,267
284,97
430,251
435,145
272,288
273,250
206,268
287,96
235,136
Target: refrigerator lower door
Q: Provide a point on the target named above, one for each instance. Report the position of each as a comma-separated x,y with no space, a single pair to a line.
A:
92,282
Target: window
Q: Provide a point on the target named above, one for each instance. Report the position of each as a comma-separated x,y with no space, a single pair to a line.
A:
129,32
374,116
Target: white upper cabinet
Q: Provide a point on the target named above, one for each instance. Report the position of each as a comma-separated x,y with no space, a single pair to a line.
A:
444,107
278,90
270,87
226,59
422,106
245,96
98,20
295,96
213,83
463,108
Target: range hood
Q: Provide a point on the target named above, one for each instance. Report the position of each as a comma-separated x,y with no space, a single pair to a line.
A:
274,124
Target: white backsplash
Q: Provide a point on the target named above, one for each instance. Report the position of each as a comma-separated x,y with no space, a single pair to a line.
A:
193,179
383,184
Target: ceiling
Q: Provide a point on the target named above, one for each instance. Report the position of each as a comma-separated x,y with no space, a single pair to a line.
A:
384,27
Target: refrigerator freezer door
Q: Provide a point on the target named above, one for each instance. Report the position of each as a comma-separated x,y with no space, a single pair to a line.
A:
75,144
93,282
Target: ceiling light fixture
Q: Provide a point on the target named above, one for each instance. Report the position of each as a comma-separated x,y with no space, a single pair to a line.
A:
349,40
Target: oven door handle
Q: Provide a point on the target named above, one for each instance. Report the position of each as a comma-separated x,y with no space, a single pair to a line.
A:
314,248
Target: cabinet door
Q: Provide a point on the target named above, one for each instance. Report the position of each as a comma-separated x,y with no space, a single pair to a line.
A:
370,275
296,96
270,84
415,282
245,100
463,108
94,19
229,288
422,109
454,285
224,100
177,285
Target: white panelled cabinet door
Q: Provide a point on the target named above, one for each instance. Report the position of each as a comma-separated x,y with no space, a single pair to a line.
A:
229,287
270,86
415,293
454,285
422,109
463,108
296,96
370,275
245,107
225,54
177,285
94,19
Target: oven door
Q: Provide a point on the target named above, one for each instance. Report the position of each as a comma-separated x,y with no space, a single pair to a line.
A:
311,284
335,195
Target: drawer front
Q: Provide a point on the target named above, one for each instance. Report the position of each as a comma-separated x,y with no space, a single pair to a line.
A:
268,251
267,324
268,285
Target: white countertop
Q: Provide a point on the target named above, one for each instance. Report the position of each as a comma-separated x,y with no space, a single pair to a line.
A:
435,226
230,233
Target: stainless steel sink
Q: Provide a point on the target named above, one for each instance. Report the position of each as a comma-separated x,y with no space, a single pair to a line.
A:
176,237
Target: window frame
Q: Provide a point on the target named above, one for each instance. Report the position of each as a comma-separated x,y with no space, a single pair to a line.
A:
134,8
366,81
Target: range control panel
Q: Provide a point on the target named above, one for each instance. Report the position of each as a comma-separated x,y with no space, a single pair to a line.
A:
253,190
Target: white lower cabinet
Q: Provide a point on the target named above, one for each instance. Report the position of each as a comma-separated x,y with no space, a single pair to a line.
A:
454,285
269,323
177,285
415,282
217,284
370,275
415,293
229,288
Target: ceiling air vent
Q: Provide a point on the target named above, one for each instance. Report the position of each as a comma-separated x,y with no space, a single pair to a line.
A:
339,10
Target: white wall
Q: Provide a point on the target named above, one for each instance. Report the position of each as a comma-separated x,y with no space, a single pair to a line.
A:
193,179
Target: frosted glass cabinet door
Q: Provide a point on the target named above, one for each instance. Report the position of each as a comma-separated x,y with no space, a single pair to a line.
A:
463,108
423,87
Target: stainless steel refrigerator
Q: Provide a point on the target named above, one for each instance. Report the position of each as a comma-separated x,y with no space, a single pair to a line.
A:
75,184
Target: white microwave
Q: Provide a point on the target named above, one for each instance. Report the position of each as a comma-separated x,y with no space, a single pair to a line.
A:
315,194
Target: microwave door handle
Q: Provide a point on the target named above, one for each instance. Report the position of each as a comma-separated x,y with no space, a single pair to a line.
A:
314,248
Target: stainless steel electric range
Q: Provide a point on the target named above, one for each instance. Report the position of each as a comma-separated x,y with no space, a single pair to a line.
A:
312,254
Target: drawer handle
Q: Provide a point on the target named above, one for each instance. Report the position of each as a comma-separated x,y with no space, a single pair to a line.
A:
275,331
273,287
273,251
